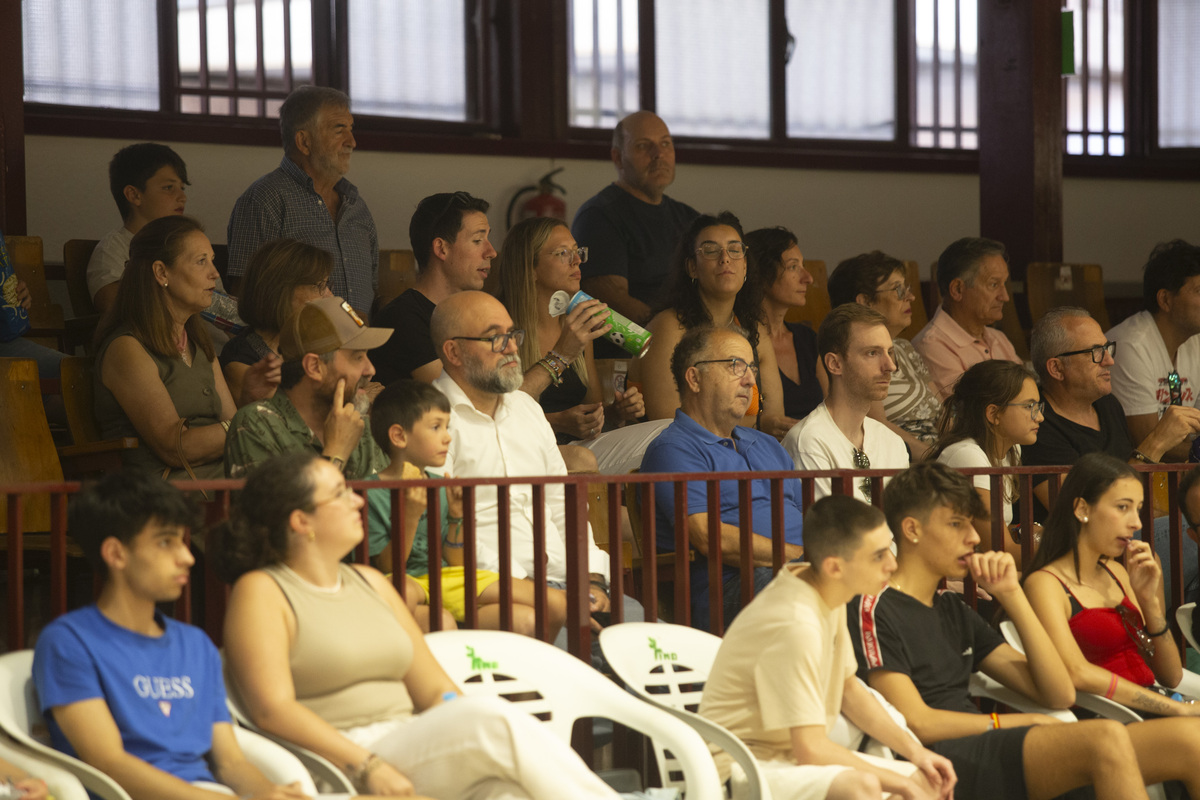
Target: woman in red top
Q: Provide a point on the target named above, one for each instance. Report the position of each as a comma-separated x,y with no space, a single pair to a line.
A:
1109,621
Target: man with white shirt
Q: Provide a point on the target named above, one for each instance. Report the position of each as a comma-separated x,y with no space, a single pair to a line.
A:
855,346
1160,352
502,432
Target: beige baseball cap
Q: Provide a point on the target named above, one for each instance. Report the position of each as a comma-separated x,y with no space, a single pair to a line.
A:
324,325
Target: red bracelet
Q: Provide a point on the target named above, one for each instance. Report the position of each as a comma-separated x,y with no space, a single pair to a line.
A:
1112,687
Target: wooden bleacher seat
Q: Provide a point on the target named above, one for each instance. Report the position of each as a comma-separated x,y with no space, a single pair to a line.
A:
89,455
76,254
397,272
817,304
48,325
1049,285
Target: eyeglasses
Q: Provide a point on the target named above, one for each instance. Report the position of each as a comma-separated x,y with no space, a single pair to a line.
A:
1175,387
321,286
737,367
1035,409
499,341
901,290
1097,352
1135,631
862,462
345,493
712,251
568,254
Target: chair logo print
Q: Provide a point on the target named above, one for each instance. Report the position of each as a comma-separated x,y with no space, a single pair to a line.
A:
659,653
478,663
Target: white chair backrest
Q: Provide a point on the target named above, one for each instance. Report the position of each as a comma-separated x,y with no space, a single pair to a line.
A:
1183,615
558,689
19,715
664,663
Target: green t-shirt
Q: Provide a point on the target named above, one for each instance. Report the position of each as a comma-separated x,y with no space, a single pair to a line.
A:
379,512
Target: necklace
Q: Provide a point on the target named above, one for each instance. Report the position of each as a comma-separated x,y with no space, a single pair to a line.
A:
182,345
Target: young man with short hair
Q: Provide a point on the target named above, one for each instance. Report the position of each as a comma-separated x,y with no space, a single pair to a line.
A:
785,670
918,648
126,689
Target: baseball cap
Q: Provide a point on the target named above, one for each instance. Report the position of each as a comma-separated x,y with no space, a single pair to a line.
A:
324,325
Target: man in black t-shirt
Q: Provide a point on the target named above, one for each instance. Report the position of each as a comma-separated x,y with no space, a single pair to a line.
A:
631,227
449,237
918,648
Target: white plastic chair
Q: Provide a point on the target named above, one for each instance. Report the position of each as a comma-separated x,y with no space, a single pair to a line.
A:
668,665
21,719
61,783
558,688
1190,685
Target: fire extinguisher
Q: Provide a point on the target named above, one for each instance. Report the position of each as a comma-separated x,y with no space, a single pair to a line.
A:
546,203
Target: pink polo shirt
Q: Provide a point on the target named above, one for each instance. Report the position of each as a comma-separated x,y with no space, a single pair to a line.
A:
949,350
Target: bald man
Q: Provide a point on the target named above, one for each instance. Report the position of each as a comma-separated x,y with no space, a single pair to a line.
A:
502,432
631,227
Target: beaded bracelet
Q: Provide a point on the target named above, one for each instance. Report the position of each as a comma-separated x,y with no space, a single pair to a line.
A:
554,376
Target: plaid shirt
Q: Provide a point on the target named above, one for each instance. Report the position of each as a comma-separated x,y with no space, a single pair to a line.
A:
284,204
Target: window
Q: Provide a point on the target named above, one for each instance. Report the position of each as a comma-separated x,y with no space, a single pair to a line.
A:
1178,73
1094,96
602,62
945,46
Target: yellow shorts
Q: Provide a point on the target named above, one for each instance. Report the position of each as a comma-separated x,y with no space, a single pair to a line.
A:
453,581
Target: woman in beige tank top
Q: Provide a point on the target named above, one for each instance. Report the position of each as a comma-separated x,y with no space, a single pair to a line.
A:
328,656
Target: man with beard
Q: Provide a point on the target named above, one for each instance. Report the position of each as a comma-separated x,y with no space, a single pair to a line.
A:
501,432
855,347
714,372
322,400
308,198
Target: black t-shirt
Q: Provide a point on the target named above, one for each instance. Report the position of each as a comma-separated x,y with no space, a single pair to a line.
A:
568,394
410,346
799,399
938,647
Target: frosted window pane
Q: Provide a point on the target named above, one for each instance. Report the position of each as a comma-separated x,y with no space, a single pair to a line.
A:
603,73
1178,73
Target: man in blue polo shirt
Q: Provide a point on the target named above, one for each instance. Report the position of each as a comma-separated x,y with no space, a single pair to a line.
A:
713,369
130,691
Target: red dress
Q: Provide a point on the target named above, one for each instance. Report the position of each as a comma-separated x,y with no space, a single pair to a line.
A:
1101,636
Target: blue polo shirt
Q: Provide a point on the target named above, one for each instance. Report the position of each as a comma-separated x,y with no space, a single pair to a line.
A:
685,446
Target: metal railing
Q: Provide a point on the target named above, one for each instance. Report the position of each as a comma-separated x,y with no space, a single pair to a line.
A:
642,573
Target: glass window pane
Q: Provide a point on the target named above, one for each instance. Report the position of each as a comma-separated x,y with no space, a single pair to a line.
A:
841,76
1095,105
602,59
91,52
945,101
711,75
1178,73
422,44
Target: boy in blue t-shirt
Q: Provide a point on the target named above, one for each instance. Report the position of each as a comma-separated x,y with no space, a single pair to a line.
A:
410,421
136,694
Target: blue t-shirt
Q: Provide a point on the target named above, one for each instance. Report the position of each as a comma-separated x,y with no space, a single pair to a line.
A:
165,693
685,446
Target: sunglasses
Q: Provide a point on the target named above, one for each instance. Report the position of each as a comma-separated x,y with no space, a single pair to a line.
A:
1136,631
862,462
1175,387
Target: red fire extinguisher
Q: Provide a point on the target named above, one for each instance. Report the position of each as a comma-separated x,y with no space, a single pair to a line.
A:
546,203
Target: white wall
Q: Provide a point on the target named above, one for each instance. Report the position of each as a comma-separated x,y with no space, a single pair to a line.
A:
835,214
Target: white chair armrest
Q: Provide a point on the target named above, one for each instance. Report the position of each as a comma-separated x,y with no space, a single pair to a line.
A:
1189,685
716,734
983,686
274,761
61,783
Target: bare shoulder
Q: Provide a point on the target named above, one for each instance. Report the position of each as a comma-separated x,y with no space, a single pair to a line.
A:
666,324
375,579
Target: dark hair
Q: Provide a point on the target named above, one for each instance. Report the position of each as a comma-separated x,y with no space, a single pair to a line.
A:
290,372
1050,337
962,259
861,274
1169,266
682,293
135,165
299,111
141,303
274,273
440,216
764,252
122,505
924,486
1186,483
1090,478
693,343
964,414
256,533
834,334
403,403
834,527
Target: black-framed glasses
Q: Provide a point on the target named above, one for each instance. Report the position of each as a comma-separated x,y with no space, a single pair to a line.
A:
498,341
1035,409
1097,352
1136,631
567,254
901,290
862,462
1175,387
712,251
737,366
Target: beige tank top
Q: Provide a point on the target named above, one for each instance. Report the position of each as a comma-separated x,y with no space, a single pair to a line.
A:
350,654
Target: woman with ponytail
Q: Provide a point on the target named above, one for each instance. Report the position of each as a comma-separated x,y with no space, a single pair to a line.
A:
326,655
994,409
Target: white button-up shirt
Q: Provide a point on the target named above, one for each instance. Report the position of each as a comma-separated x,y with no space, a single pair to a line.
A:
517,441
